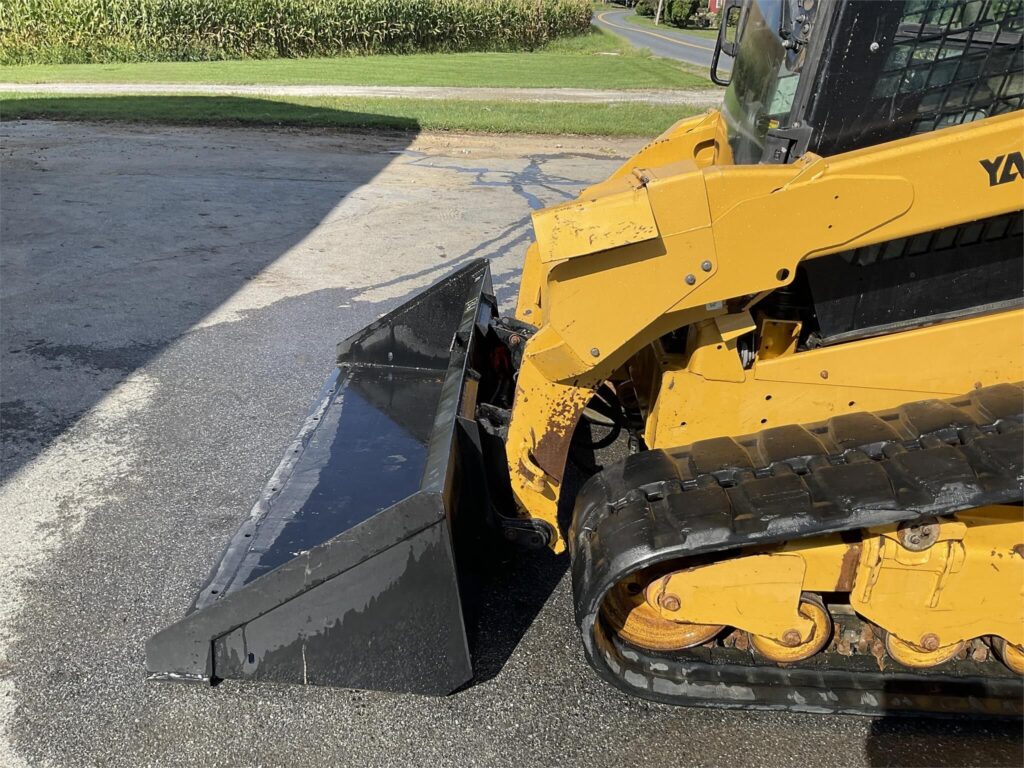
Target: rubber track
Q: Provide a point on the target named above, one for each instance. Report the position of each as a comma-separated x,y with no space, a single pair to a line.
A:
853,471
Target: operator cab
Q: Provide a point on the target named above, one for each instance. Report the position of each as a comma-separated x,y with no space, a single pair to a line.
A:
829,76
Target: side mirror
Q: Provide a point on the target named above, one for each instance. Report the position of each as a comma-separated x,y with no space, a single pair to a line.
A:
732,14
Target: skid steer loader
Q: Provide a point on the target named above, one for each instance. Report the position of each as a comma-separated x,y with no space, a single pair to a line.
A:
801,316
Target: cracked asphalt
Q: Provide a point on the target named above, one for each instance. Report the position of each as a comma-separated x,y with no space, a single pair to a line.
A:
169,304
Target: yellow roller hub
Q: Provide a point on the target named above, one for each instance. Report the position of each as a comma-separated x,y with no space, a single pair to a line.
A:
918,657
787,654
1011,655
639,623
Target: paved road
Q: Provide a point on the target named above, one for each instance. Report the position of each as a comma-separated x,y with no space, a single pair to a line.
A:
169,304
693,97
665,41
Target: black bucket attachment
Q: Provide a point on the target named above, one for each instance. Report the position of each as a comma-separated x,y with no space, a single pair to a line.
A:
344,574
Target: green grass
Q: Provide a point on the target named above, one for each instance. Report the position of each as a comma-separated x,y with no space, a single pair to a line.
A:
580,62
400,114
644,21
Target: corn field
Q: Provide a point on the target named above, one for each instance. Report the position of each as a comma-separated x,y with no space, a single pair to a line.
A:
82,31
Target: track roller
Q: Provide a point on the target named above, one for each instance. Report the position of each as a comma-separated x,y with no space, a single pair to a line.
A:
811,607
638,622
1011,655
929,654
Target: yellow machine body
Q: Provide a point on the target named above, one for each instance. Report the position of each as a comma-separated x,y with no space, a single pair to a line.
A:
686,240
680,238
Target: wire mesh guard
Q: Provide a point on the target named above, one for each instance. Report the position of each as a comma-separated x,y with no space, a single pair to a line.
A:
955,61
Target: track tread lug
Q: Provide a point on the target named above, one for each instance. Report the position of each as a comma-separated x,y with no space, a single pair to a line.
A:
783,444
718,454
935,417
857,430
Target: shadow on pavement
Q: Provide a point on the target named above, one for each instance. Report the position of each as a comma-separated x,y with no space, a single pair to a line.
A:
197,110
509,588
930,743
85,306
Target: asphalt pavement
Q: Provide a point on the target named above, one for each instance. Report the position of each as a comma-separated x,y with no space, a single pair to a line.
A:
170,299
665,41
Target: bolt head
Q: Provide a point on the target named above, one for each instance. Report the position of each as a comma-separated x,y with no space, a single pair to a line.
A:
918,538
595,352
874,47
669,602
791,639
930,642
705,265
824,374
690,279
